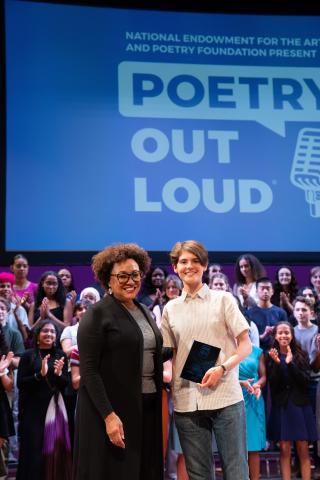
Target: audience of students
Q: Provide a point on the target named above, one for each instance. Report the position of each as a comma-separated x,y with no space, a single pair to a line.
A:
292,357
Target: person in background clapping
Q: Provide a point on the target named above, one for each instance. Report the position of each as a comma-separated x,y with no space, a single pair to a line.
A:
291,417
285,289
248,270
45,449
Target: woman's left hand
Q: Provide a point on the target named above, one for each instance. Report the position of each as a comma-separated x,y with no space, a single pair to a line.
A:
58,366
211,377
114,428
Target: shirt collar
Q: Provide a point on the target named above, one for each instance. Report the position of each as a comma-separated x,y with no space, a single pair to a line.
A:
201,293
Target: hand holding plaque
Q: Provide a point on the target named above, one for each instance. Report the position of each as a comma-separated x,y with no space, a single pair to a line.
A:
200,358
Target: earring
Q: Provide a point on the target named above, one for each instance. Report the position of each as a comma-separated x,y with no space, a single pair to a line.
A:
110,290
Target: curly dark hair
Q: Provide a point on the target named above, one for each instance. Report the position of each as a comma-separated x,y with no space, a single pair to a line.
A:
102,262
257,269
60,295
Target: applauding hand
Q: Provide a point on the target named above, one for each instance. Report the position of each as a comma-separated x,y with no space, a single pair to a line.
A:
58,366
273,353
44,365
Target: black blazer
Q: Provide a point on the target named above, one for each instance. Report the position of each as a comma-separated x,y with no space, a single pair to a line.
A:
111,356
288,381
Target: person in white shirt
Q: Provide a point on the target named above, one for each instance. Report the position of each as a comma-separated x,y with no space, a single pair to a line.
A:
216,404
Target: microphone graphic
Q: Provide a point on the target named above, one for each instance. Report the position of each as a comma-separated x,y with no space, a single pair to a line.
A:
305,172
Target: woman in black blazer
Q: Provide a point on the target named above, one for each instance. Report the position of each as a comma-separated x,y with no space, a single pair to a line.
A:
118,425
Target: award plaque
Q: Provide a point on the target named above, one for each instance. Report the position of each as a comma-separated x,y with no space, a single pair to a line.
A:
201,357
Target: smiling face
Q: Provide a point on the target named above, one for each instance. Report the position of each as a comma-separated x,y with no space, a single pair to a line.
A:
47,336
6,290
283,336
190,271
284,276
125,291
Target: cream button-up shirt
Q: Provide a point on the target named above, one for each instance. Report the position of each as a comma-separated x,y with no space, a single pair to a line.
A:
211,317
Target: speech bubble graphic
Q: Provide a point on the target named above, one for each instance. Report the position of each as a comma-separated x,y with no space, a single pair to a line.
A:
270,96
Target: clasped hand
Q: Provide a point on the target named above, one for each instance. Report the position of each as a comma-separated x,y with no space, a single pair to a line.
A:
44,309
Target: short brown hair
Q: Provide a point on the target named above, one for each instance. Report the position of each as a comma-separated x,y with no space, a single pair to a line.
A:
102,262
191,246
302,299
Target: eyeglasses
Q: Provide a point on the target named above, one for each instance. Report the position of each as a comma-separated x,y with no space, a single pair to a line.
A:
124,277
